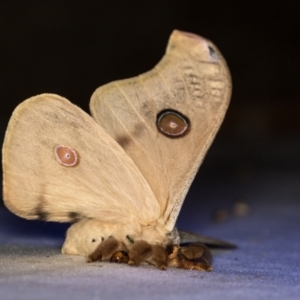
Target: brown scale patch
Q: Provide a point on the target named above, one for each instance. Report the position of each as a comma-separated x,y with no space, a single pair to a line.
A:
74,216
148,111
138,130
41,213
123,140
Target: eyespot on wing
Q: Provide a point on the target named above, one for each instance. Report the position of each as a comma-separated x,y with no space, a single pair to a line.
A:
172,123
66,156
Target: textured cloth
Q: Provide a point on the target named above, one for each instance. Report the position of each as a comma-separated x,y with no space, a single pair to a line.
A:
265,265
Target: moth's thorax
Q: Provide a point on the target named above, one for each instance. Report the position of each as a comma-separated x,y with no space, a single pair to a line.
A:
84,236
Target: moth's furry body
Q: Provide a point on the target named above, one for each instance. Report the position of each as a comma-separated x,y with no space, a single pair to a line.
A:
126,244
121,175
84,236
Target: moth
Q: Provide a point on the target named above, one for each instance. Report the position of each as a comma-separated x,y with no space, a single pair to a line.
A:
121,175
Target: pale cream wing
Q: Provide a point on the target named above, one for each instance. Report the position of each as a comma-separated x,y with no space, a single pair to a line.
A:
167,118
60,165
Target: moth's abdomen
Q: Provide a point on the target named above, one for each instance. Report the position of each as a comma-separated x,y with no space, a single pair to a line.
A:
134,245
84,236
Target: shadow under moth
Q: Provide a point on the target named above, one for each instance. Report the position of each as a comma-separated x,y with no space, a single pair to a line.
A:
121,176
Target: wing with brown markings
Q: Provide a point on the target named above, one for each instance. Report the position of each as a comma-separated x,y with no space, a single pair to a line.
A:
60,165
192,80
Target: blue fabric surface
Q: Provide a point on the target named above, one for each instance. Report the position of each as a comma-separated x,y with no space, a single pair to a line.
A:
266,263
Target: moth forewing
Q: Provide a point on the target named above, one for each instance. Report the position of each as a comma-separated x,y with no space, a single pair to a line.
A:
167,118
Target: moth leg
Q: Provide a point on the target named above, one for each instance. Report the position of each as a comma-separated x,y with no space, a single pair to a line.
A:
139,251
172,251
120,257
185,263
159,257
104,250
197,251
192,257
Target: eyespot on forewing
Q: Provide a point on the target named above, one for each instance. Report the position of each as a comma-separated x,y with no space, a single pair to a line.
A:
172,123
